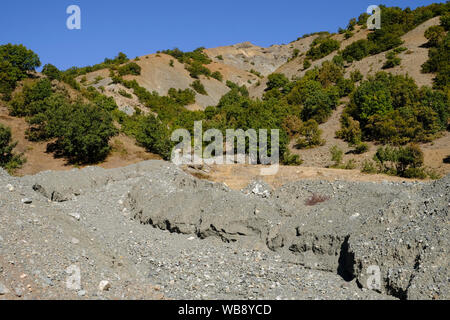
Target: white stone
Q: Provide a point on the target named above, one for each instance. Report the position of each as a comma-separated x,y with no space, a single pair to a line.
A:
3,290
104,285
75,215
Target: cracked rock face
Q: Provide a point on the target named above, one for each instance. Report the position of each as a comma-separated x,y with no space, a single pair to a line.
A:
390,239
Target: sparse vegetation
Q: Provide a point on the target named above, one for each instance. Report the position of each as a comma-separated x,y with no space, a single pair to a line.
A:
396,22
194,61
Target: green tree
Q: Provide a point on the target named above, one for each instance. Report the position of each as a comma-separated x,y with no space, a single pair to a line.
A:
83,132
16,61
51,72
154,136
277,81
8,159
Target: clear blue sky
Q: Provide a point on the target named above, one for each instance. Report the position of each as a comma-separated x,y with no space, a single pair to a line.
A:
139,27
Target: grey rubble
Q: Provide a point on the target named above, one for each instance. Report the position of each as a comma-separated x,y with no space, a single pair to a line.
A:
153,231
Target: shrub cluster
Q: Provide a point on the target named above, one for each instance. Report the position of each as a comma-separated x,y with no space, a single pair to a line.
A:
392,109
8,159
131,68
194,62
401,161
322,47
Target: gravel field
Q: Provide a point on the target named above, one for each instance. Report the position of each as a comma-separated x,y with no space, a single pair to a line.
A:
151,231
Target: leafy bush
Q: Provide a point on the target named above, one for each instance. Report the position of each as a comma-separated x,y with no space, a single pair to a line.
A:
182,97
291,159
329,74
310,135
356,76
52,72
322,47
292,125
256,73
357,50
70,74
188,57
348,34
369,167
277,81
198,86
361,148
196,69
336,156
217,75
32,99
402,161
338,60
346,87
131,68
445,21
435,34
392,60
306,64
350,130
125,94
318,102
194,61
8,159
439,56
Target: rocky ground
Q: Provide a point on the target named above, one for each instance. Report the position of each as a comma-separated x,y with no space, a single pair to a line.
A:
151,231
